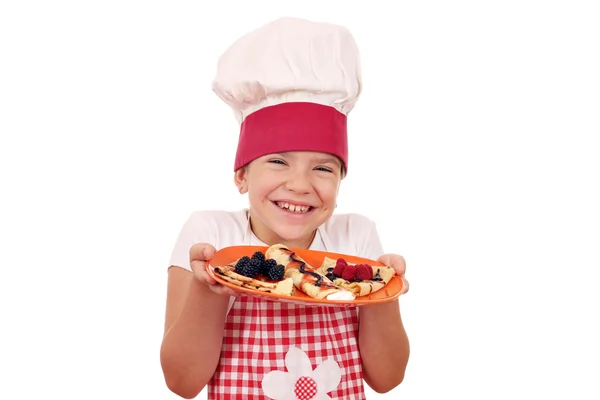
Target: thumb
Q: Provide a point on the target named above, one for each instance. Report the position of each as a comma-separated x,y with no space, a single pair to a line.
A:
208,252
395,261
201,252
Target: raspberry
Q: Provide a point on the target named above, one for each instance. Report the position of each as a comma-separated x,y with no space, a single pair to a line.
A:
267,265
339,267
349,272
276,272
364,272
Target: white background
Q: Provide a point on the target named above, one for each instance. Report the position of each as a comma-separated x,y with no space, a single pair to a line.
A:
474,148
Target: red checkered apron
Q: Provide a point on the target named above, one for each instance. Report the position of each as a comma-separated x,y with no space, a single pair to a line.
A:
259,333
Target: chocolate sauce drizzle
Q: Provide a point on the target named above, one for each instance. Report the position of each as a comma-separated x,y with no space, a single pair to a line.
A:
302,269
330,274
318,277
377,277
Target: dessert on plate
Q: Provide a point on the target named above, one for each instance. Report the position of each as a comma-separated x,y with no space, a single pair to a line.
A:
360,279
257,273
281,271
305,277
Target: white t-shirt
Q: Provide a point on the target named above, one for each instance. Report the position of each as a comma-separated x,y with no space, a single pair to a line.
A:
351,234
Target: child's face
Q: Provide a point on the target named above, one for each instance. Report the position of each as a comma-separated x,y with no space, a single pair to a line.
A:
291,194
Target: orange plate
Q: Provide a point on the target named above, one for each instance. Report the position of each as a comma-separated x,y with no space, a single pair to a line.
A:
227,255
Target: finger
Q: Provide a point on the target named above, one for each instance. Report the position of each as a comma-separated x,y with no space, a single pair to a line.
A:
199,269
399,264
395,261
209,252
223,290
214,285
201,252
220,289
405,285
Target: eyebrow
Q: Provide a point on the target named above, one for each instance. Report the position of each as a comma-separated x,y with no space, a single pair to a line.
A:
325,160
320,160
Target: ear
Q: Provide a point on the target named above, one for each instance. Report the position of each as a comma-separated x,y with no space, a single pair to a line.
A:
240,180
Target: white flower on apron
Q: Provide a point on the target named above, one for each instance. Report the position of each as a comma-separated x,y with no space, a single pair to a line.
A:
301,382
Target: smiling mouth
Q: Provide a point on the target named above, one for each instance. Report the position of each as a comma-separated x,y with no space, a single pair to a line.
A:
295,208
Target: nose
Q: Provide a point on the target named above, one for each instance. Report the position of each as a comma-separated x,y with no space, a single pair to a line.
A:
299,182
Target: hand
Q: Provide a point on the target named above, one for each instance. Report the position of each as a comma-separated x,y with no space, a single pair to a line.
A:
399,264
200,253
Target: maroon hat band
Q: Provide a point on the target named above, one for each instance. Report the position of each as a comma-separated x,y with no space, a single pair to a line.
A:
301,126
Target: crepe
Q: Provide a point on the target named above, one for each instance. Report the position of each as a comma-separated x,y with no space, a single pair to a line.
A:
381,277
284,287
305,277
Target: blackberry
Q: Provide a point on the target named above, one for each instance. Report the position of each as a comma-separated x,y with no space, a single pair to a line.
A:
267,265
258,255
276,272
241,265
247,267
254,268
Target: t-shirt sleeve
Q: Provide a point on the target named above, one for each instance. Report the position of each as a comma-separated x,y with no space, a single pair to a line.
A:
197,229
371,245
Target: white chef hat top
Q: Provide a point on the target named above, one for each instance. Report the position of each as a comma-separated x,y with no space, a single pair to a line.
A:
291,84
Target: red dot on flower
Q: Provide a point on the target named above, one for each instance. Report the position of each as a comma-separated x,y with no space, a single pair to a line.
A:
306,388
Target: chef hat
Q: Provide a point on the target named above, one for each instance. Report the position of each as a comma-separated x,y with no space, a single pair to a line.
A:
291,84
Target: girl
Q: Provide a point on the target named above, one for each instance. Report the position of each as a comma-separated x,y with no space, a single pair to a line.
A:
291,84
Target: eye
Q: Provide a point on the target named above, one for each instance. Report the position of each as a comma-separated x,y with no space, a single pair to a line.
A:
277,161
324,169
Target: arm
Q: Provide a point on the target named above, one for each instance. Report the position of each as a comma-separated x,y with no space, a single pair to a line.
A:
194,323
384,346
382,340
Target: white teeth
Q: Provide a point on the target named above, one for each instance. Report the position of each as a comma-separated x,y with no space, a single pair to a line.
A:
292,207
